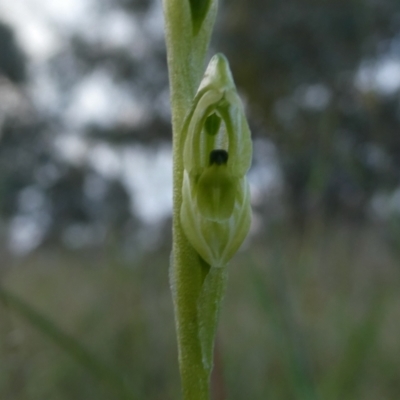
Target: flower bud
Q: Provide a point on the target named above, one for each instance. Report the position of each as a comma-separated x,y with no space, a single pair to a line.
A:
216,211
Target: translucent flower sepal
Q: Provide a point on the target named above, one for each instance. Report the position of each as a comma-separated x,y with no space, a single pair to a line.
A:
216,211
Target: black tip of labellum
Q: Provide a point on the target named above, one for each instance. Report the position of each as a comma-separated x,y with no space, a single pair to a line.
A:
218,157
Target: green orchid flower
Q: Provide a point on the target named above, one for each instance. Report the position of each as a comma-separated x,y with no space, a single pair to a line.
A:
216,211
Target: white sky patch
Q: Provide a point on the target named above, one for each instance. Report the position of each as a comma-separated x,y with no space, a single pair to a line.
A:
39,24
155,21
382,76
105,160
33,33
37,39
265,177
26,233
95,99
388,76
72,148
118,29
60,13
68,13
44,91
27,229
148,176
99,100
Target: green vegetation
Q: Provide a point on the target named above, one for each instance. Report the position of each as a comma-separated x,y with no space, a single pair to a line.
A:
312,309
311,317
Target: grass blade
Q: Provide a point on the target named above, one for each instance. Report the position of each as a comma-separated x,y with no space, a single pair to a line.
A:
105,374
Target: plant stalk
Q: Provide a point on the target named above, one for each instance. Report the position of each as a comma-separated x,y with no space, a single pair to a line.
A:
186,53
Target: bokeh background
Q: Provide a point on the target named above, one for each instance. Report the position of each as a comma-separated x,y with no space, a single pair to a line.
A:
313,303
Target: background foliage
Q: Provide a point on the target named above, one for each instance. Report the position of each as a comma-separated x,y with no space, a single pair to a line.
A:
312,310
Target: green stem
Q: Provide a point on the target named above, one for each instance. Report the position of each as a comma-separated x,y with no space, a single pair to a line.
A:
186,60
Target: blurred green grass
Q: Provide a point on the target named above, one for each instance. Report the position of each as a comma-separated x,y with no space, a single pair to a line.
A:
307,315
